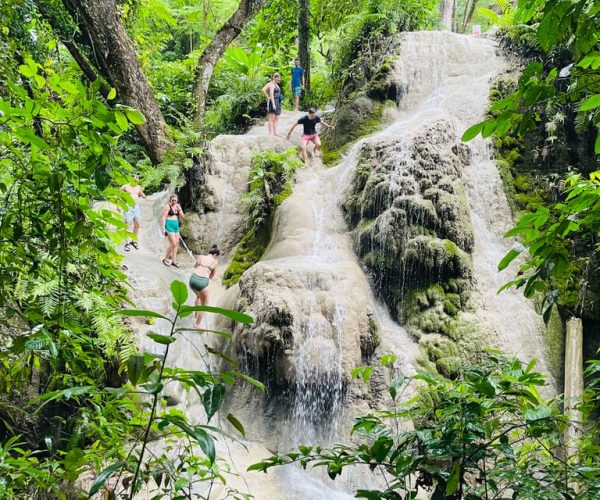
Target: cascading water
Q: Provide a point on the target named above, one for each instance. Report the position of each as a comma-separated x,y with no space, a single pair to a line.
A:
310,282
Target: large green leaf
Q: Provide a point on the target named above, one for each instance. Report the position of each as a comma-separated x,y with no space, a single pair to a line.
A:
143,313
234,315
135,366
179,292
103,476
161,339
212,400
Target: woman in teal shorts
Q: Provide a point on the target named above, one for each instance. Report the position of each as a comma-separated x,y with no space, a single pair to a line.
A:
171,215
205,268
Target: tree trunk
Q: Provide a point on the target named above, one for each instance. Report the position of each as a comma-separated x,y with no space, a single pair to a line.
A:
115,57
304,39
217,47
447,8
469,11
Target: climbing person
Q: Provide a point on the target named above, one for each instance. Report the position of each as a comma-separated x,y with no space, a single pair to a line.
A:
309,122
172,214
273,93
297,83
133,214
205,268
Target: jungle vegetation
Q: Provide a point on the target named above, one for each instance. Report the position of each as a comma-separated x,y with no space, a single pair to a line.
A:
93,92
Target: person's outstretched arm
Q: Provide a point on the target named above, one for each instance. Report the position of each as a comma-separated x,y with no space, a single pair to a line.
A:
291,130
326,124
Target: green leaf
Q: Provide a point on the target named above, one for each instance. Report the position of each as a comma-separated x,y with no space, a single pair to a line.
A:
143,313
161,339
539,413
103,476
597,144
121,120
453,480
512,254
590,103
179,292
135,116
27,71
234,315
254,382
387,360
472,132
135,366
237,424
111,94
212,399
29,137
206,442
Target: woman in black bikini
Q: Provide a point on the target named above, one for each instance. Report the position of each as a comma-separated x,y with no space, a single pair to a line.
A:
205,268
171,215
273,93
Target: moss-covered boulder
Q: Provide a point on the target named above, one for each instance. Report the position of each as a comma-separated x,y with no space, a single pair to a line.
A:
409,216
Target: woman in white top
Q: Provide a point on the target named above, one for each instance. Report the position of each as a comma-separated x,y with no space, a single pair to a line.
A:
205,268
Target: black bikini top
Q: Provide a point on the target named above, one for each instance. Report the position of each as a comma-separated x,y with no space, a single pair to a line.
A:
172,212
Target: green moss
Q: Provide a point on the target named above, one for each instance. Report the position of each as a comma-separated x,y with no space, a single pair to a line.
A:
248,252
359,123
370,339
276,169
554,335
440,354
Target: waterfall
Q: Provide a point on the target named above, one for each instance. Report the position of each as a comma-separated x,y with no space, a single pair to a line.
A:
317,314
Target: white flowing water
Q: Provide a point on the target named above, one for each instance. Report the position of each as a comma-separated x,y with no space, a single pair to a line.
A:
310,264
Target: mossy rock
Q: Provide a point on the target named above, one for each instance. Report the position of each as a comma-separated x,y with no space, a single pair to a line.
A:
359,117
371,338
441,354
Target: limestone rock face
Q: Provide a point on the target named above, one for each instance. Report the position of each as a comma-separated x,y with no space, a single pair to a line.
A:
218,215
306,333
409,214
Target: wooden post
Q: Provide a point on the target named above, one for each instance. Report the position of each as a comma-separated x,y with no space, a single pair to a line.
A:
573,385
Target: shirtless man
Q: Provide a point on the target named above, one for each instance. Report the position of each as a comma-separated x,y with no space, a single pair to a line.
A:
133,214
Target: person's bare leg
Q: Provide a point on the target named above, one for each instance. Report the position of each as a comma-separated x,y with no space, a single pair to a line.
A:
303,153
275,121
203,296
172,246
175,247
197,314
296,103
270,124
317,143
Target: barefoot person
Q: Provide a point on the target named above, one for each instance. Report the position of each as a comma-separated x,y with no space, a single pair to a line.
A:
273,93
309,122
171,215
297,83
205,268
133,214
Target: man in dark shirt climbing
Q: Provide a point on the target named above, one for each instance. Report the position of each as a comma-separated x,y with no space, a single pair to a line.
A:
309,122
297,82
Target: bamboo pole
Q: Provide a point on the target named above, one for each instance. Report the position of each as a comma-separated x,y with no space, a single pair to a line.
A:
573,385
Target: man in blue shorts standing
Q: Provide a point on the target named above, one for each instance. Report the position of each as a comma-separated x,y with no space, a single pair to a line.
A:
297,82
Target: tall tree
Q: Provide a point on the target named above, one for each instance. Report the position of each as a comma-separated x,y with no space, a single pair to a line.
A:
112,52
246,10
447,13
304,38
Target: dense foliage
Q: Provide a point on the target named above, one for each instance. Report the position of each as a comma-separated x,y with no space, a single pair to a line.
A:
486,434
557,100
78,397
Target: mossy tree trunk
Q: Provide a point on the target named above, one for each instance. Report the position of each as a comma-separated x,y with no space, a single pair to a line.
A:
304,39
113,54
246,10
